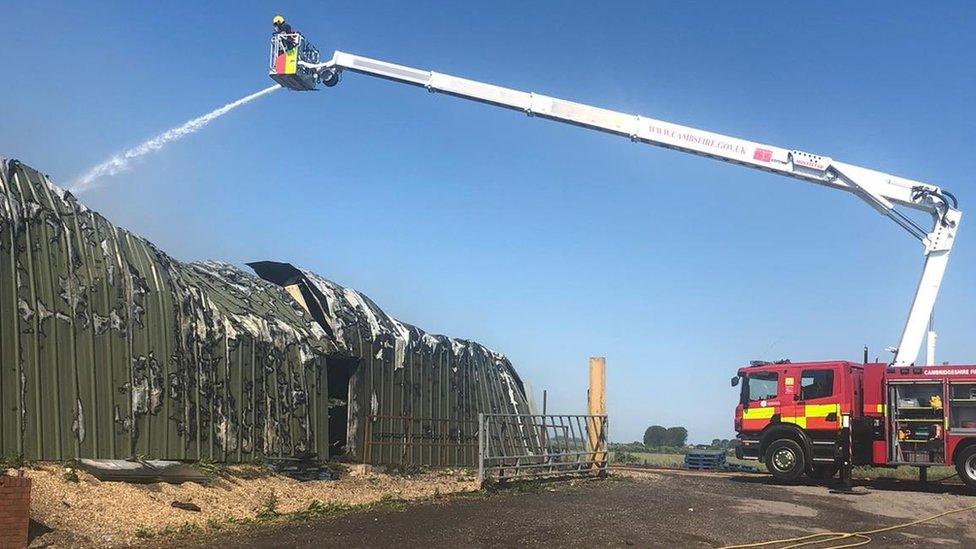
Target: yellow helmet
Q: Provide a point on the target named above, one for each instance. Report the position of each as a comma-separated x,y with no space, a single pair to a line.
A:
278,20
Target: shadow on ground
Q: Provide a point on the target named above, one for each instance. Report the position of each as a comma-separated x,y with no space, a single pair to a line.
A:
881,484
36,530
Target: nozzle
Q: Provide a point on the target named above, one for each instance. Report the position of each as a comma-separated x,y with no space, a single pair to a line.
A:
329,76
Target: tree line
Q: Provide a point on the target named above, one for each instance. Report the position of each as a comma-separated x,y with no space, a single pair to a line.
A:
657,435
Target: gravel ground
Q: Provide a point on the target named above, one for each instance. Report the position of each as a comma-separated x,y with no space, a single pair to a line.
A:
659,509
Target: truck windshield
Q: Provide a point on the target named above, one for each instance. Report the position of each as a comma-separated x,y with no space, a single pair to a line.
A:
759,386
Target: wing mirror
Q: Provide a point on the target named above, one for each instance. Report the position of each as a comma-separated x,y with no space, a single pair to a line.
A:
735,381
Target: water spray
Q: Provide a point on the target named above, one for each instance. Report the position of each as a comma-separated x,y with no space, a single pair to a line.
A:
121,162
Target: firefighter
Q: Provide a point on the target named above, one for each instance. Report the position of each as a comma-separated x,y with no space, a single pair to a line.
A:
282,29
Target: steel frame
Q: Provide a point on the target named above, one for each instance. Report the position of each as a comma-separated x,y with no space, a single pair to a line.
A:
514,446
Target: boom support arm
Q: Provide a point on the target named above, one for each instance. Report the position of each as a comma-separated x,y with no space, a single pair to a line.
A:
881,191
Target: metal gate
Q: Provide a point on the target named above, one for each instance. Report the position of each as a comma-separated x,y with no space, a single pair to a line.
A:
531,445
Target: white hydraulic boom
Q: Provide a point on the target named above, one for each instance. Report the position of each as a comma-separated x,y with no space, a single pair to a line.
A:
882,191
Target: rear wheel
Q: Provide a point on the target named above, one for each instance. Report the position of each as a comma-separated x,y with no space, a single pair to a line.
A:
785,460
966,465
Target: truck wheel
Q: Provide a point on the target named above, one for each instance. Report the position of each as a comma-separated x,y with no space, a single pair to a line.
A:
822,472
785,460
966,466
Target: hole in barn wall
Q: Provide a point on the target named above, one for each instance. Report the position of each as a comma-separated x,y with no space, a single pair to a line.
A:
340,371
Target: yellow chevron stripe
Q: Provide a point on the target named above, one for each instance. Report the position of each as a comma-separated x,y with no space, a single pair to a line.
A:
821,410
758,413
291,61
799,421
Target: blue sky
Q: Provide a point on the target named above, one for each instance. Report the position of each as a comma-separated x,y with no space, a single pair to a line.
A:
546,242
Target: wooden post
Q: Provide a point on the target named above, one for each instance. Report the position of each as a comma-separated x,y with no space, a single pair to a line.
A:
597,397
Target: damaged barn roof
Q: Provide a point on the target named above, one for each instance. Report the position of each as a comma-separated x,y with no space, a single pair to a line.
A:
337,309
110,348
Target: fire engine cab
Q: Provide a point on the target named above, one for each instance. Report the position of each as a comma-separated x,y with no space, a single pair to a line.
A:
816,418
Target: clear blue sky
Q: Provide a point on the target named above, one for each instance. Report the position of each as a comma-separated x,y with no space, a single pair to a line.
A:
546,242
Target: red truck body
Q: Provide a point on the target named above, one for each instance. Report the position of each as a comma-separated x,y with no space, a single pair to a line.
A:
808,418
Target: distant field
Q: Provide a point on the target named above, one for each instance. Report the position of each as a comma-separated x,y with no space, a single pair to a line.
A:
658,460
905,473
677,460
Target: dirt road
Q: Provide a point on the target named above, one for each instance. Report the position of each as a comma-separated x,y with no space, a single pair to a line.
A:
657,509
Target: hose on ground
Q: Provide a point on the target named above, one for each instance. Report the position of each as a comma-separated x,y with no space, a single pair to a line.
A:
944,478
863,536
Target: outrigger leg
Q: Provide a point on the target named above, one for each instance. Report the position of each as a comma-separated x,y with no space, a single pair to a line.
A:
845,462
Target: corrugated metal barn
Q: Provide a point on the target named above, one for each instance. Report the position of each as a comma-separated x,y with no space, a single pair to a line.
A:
109,348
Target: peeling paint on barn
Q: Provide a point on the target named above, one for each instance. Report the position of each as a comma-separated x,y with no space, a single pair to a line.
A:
110,348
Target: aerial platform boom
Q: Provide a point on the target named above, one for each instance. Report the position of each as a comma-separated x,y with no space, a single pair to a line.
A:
882,191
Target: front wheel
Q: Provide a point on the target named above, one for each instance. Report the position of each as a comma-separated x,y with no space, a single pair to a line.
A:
966,466
785,460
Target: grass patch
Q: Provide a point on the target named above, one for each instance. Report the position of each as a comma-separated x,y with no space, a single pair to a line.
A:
406,470
670,460
484,492
638,448
676,461
532,485
337,467
14,461
389,501
188,528
317,509
270,509
248,472
70,475
902,473
211,468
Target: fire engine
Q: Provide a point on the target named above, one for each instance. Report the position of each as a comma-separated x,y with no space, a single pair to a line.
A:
809,418
815,418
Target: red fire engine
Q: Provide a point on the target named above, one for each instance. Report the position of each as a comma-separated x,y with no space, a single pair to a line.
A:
815,418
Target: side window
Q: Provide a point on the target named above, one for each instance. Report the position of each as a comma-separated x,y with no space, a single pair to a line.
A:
816,384
762,385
